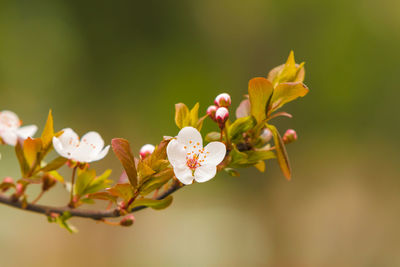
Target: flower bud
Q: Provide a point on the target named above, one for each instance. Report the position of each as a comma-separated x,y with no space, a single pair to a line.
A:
127,221
211,111
20,188
19,191
265,135
289,136
48,182
8,180
223,100
146,150
221,116
6,184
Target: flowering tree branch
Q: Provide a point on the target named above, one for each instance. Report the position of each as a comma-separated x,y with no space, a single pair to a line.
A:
150,179
83,213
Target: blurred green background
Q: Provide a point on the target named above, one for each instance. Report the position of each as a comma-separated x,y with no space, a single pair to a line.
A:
119,67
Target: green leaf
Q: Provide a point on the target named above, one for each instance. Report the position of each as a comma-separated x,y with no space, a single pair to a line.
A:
287,92
260,91
232,172
260,166
47,134
156,181
200,122
257,155
237,158
144,171
54,164
103,196
182,116
155,160
99,183
213,136
153,203
56,176
32,149
241,126
123,152
288,72
124,191
61,220
83,180
194,114
281,153
249,158
19,151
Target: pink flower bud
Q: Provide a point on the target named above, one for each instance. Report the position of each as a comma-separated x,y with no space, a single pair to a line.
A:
289,136
223,100
146,150
127,221
19,189
7,183
8,180
266,135
211,111
221,116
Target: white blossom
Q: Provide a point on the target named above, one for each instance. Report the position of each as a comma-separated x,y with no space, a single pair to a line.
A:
11,130
89,148
190,160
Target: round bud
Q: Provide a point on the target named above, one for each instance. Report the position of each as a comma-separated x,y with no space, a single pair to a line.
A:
127,221
8,180
48,181
211,111
19,189
221,116
290,136
7,183
265,135
223,100
146,150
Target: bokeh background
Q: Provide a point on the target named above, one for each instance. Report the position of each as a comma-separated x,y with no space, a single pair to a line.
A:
119,67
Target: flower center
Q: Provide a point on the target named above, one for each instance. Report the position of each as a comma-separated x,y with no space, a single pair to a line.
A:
193,163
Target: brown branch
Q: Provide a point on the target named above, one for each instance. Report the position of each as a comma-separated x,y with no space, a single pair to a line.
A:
90,214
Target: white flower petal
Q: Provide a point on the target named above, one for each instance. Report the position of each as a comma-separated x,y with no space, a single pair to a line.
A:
102,154
58,147
9,137
190,136
69,140
205,173
83,153
67,143
94,140
27,131
9,119
214,153
184,174
176,153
